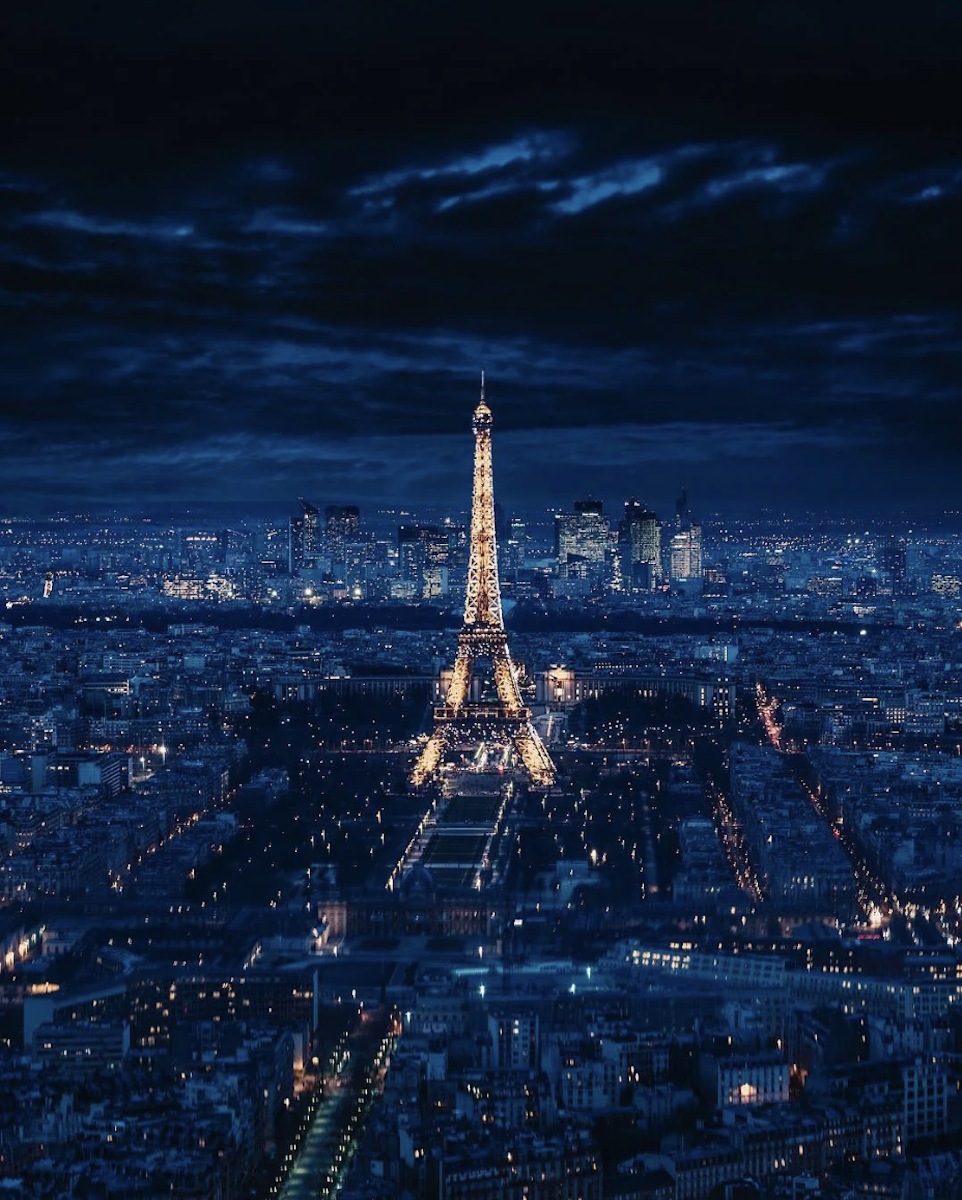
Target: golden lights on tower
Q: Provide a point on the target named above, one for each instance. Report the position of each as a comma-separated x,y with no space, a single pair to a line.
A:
483,636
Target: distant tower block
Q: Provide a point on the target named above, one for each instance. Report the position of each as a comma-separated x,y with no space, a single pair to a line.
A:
459,721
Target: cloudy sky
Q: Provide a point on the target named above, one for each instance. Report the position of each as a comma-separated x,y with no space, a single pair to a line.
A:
255,251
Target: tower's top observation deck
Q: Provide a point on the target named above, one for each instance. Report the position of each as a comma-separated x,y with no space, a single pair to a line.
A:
482,418
482,414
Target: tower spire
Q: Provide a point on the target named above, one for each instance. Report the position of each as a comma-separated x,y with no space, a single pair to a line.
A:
483,636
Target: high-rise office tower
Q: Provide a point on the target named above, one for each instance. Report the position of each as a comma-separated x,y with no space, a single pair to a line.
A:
685,548
304,538
696,562
310,533
581,536
342,525
295,545
681,510
434,573
459,720
273,548
423,558
515,549
686,553
409,552
890,555
641,535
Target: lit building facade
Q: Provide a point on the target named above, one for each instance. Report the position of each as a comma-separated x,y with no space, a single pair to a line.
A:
582,535
686,553
641,538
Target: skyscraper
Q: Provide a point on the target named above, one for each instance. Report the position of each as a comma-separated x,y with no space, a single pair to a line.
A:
515,549
681,509
686,555
310,532
685,548
582,535
304,537
890,554
423,557
295,545
641,535
342,524
409,552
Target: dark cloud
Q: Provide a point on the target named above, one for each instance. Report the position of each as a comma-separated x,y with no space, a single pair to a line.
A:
238,249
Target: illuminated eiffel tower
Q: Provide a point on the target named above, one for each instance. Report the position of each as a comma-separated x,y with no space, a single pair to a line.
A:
457,720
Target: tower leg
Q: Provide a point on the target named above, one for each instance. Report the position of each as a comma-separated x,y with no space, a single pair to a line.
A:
533,754
507,683
461,679
428,759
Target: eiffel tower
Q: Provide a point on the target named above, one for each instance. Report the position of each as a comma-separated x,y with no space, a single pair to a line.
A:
458,720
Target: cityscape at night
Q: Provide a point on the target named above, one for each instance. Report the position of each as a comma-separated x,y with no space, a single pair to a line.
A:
480,602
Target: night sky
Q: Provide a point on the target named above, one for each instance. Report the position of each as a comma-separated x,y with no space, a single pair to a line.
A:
250,252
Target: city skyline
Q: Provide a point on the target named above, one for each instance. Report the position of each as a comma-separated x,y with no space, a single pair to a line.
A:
246,264
374,852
